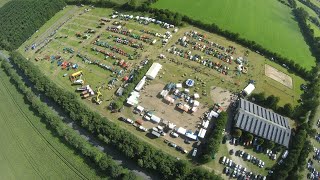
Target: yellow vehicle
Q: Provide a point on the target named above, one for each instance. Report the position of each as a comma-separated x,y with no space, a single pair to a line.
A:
97,99
75,75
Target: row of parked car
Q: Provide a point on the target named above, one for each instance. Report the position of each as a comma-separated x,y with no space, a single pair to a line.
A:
178,148
237,171
313,173
249,158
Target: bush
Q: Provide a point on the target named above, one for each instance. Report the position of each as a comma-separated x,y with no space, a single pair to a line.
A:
237,133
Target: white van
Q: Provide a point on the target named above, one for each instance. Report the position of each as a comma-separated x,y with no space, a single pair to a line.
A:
174,134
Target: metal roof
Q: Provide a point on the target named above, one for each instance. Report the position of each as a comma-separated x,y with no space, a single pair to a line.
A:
263,122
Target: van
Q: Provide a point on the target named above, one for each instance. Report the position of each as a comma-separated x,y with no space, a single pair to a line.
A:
174,134
285,154
223,160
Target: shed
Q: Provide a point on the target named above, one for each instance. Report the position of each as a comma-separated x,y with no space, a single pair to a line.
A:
202,133
248,90
153,70
140,84
181,130
192,136
155,119
196,95
205,124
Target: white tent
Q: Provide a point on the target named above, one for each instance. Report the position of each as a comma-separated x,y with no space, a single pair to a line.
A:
196,103
164,93
140,84
186,90
248,90
196,95
153,71
202,133
155,119
169,99
178,85
181,130
213,114
171,126
194,109
192,136
186,107
205,124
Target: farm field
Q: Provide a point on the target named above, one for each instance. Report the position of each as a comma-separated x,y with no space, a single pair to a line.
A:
273,27
101,69
28,149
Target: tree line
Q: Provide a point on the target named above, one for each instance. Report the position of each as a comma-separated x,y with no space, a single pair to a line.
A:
146,156
212,145
104,162
20,19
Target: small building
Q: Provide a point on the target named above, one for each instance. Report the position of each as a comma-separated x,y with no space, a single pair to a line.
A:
153,71
140,84
202,133
248,90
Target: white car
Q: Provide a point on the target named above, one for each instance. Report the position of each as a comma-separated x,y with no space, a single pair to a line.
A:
143,128
129,121
147,118
194,153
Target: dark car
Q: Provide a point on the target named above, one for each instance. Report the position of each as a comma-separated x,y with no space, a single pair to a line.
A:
179,148
231,152
122,118
186,141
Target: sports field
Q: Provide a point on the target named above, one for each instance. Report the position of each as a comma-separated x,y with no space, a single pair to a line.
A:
269,23
28,150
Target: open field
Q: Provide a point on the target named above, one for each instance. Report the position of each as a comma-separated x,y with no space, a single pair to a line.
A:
28,149
214,84
278,76
269,23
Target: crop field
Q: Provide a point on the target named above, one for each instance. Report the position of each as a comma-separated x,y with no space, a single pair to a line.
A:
28,149
92,42
269,23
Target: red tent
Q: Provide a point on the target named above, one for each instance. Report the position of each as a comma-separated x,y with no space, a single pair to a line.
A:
125,78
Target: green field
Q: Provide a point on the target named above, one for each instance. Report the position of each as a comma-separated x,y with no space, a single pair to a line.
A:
315,2
28,149
269,23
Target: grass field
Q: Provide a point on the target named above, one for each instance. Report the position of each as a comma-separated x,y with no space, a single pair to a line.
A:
316,2
269,23
28,149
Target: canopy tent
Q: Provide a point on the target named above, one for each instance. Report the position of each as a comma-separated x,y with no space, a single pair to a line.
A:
153,70
196,103
212,114
196,95
169,99
192,136
202,133
140,108
205,124
140,84
171,126
181,130
194,109
164,93
248,90
178,85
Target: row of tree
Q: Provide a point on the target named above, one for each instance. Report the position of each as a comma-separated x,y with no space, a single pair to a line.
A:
20,19
104,162
129,145
214,139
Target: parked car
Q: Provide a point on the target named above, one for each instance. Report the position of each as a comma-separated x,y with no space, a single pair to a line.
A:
173,134
231,152
186,141
143,128
129,121
194,153
122,119
172,144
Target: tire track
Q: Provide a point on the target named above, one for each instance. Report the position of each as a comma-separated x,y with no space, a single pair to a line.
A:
52,148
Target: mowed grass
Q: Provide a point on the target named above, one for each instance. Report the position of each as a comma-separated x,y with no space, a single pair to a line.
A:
28,150
269,23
